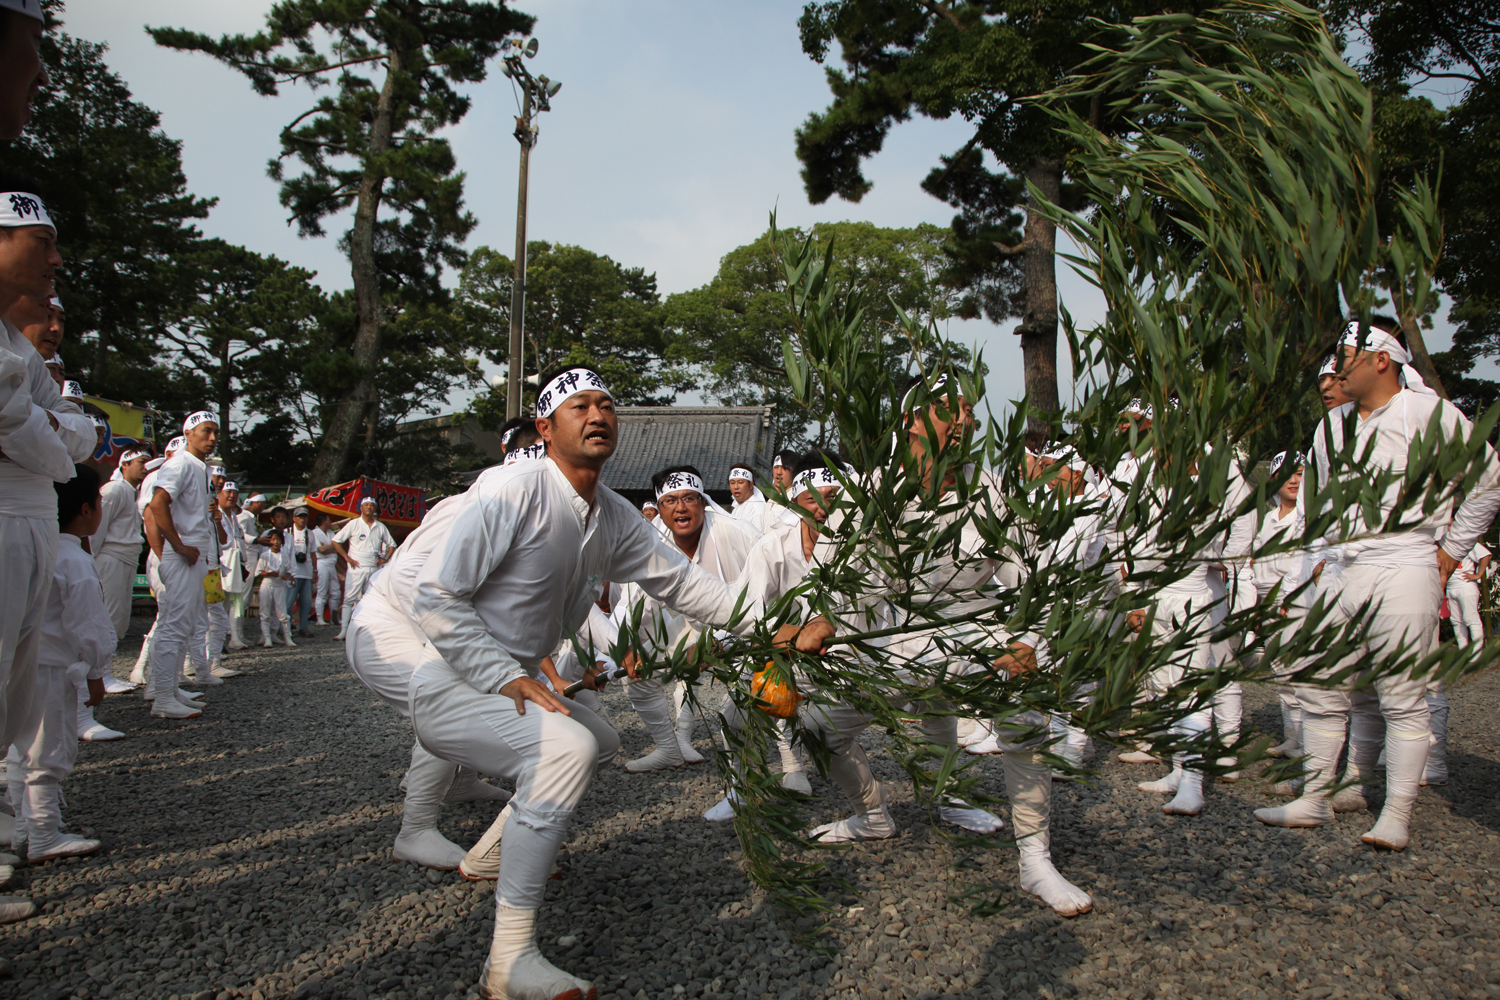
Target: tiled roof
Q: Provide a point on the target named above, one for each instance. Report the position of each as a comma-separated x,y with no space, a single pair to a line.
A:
712,438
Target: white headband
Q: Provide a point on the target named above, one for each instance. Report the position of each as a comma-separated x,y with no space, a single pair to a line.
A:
155,463
935,389
99,421
505,438
779,460
1138,409
201,417
176,443
1372,339
569,383
31,8
371,501
649,503
529,453
229,487
811,480
56,303
1297,459
130,455
18,208
681,481
216,470
72,390
56,359
740,472
1330,366
258,498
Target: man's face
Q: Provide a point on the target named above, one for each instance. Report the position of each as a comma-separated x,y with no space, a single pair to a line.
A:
228,499
279,519
217,482
22,75
28,261
951,417
1362,371
367,511
583,430
818,502
134,471
256,507
781,477
683,512
300,520
741,489
203,439
1291,487
1332,391
35,322
1068,481
650,513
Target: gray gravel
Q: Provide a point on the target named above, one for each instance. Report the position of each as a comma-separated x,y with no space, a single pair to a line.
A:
248,856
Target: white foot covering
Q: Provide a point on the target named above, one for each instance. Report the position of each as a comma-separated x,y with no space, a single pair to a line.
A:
660,759
1189,798
873,825
1307,811
1405,758
206,678
428,848
62,845
13,908
685,747
113,685
171,708
723,810
1286,789
482,862
1165,785
967,817
990,744
982,731
1291,748
797,782
1138,756
267,643
1042,880
224,673
516,970
1392,830
7,872
99,733
1229,775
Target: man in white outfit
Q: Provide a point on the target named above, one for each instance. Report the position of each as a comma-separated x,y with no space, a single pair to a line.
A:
751,505
300,552
234,576
117,546
365,543
180,507
1399,575
520,565
32,455
714,540
328,589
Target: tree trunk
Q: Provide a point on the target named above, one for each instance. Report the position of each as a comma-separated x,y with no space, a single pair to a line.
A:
1419,357
338,436
1038,327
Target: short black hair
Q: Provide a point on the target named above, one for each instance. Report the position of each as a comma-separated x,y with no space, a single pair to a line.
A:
789,457
819,460
525,435
661,477
74,494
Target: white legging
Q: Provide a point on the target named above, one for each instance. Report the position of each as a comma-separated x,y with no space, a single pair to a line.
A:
1463,610
273,608
329,592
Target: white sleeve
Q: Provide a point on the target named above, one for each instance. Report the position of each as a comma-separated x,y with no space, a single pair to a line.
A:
77,433
443,594
26,435
87,623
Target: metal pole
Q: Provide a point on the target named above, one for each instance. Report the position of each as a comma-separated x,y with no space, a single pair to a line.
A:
518,284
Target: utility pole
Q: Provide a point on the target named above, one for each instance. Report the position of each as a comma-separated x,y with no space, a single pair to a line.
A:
536,97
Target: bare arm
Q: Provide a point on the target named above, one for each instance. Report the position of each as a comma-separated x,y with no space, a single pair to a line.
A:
161,511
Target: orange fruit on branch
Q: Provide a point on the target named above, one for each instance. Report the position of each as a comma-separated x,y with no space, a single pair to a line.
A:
775,695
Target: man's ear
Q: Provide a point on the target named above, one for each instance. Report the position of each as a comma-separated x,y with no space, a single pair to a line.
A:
544,428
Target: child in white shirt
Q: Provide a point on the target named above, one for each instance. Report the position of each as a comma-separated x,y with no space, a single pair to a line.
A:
78,640
273,574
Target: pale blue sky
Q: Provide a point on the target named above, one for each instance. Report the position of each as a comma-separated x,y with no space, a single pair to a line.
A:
668,146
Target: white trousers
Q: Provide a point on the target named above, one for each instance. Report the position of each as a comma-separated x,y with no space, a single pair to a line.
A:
329,592
218,631
551,757
46,748
1175,611
356,582
1463,610
28,555
181,614
273,608
117,577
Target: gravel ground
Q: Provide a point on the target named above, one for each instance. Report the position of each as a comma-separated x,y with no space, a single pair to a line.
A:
248,855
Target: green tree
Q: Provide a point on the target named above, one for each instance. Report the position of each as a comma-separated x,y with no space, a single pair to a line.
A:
248,311
730,331
983,61
1456,43
581,307
371,145
114,184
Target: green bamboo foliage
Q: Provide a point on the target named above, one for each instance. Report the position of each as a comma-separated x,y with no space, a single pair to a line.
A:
1237,221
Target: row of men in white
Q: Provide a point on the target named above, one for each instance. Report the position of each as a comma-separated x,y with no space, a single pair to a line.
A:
42,434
